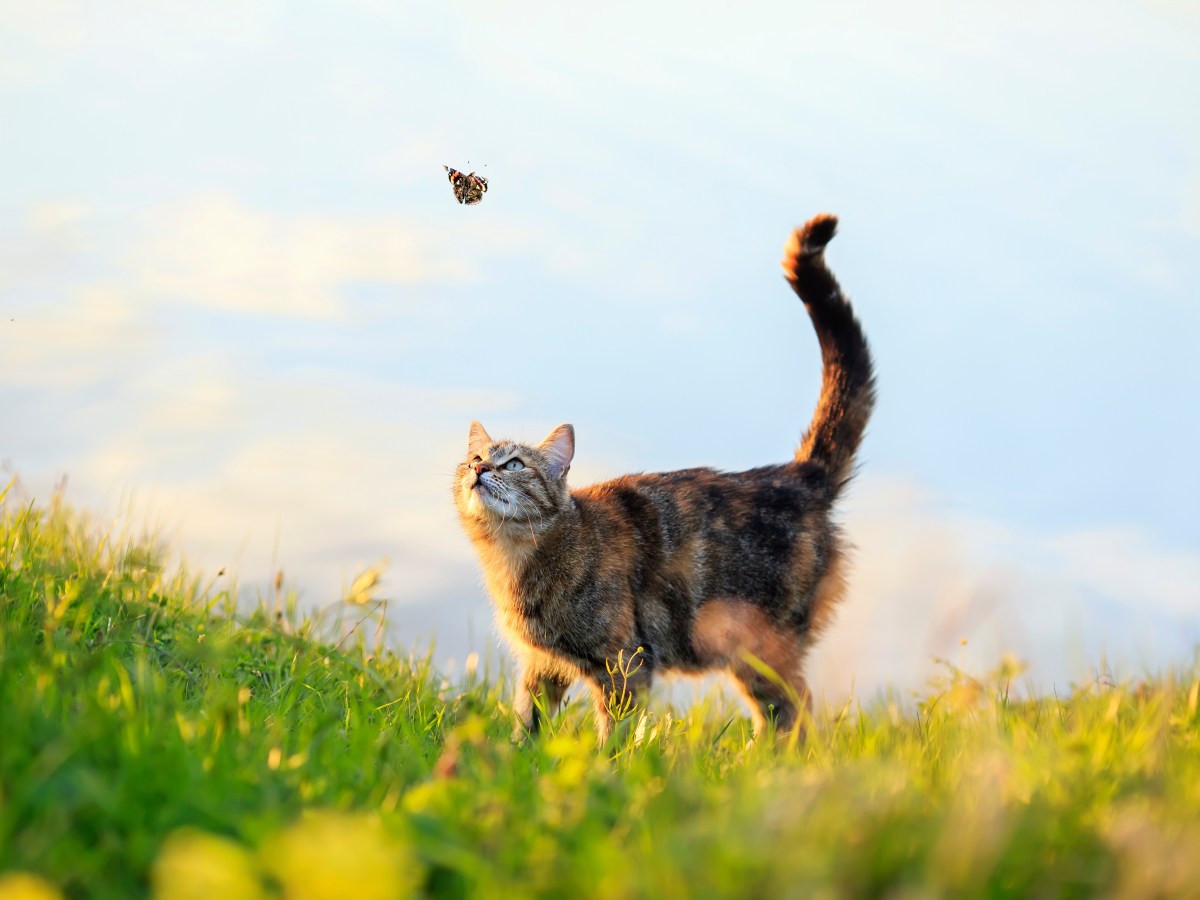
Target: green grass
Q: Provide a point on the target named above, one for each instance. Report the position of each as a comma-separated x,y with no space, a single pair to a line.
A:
153,744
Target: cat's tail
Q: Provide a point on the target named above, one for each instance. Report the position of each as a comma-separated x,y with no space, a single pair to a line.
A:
848,387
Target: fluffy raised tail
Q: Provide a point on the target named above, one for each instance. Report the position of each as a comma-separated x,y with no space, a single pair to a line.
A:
848,386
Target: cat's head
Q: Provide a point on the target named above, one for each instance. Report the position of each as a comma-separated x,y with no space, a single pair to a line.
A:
505,482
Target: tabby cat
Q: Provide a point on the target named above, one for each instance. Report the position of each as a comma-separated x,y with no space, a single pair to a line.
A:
701,569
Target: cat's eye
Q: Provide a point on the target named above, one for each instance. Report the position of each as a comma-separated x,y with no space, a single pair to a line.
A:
476,460
514,465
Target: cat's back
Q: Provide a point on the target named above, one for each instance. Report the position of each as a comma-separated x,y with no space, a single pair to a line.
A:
703,497
711,532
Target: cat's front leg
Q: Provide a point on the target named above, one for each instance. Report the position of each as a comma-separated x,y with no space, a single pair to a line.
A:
604,718
620,691
539,693
611,707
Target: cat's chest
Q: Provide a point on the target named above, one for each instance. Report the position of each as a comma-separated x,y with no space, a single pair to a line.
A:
530,611
539,624
517,614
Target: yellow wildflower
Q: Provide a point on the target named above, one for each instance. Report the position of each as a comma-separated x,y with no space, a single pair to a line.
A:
25,886
193,865
331,856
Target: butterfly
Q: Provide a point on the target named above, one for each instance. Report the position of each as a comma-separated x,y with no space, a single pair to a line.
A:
469,188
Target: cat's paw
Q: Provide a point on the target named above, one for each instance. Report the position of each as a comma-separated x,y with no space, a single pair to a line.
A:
808,241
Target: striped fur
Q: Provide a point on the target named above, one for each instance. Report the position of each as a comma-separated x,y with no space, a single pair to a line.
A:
701,569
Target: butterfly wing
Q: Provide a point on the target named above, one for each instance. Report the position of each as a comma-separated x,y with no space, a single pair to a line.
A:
458,183
476,188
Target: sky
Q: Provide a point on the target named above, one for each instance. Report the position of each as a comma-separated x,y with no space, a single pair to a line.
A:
239,304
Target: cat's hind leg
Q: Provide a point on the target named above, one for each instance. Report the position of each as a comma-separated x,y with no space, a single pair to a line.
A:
774,697
764,656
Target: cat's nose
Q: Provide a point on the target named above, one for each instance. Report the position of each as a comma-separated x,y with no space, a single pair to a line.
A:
481,467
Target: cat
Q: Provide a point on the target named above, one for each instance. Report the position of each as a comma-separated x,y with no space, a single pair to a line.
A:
700,569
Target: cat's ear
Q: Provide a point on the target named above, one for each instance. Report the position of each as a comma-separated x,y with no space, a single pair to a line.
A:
478,441
559,447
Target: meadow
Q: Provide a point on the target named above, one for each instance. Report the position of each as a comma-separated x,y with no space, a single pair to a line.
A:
156,742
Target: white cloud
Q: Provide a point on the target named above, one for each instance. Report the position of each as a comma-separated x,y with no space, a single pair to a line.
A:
89,301
248,474
66,346
40,39
34,31
1125,563
214,252
42,246
926,577
55,216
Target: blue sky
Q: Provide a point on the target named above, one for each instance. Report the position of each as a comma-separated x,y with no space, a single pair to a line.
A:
240,302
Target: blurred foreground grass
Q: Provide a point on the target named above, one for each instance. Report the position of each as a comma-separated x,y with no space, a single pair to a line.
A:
153,745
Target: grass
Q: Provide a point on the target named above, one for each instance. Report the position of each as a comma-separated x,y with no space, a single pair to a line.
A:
153,744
